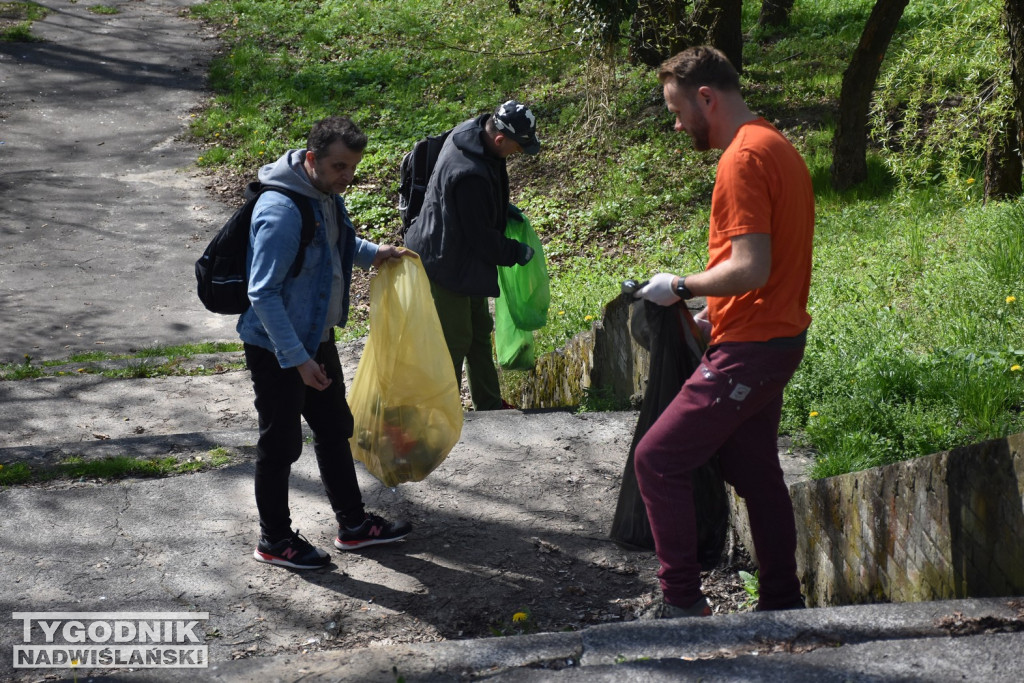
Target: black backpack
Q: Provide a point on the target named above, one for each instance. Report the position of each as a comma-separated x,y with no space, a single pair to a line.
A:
222,280
414,174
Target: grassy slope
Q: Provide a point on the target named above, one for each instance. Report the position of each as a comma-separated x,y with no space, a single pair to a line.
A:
916,341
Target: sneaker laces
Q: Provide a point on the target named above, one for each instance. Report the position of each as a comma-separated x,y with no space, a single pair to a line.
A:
300,543
376,520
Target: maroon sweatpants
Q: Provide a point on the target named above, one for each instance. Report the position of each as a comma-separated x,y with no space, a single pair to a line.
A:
731,405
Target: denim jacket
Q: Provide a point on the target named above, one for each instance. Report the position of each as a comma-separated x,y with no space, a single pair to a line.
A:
288,314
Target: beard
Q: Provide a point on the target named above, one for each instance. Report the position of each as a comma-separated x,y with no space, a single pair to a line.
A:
699,133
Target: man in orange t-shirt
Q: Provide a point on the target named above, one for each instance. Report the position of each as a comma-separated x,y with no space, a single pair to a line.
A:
756,283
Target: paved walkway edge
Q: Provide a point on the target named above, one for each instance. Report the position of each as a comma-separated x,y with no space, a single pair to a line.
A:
701,642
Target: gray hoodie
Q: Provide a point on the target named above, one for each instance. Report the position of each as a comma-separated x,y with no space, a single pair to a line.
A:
288,172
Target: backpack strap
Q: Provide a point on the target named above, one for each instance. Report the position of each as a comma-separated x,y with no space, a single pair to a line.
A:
305,206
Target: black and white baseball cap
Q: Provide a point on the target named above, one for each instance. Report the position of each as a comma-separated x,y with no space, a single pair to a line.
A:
516,121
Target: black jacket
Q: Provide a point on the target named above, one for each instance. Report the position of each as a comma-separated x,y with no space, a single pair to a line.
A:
460,232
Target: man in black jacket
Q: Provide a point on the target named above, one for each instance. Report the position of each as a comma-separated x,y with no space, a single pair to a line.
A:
460,235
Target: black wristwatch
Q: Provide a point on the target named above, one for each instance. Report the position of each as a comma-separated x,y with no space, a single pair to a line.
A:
682,291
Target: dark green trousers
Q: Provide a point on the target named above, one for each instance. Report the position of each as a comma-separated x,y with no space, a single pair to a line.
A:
467,325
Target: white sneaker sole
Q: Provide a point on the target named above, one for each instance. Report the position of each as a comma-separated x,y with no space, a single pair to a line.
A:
356,545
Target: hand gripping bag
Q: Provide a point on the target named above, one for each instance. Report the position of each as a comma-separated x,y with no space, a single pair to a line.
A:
526,289
406,404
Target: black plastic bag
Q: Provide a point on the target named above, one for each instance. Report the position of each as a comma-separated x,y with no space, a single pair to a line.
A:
674,341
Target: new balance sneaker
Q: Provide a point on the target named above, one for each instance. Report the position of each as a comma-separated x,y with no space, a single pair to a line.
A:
373,531
295,552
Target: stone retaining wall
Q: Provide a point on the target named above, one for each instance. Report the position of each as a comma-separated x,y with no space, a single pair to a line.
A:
606,357
949,525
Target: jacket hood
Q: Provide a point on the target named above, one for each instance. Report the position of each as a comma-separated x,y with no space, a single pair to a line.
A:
466,137
288,172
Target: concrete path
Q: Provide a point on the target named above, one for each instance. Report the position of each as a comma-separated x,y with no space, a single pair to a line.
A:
101,218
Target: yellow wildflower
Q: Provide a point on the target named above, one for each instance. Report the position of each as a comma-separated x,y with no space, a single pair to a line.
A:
814,413
1010,299
970,181
520,616
561,313
1015,368
588,317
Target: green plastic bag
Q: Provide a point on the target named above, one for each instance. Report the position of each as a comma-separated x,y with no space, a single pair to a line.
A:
513,345
525,289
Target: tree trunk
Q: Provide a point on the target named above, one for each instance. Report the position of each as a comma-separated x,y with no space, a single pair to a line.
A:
724,28
1003,164
775,13
849,147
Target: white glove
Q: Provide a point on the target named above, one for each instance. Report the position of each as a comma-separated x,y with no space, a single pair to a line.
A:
659,290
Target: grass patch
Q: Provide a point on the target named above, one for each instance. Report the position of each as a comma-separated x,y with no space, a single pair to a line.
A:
915,345
104,9
111,468
601,399
16,21
138,364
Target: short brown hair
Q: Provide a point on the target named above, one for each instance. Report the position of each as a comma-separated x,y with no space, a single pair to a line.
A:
328,131
698,66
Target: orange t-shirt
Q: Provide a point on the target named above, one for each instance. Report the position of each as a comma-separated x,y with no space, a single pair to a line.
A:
762,186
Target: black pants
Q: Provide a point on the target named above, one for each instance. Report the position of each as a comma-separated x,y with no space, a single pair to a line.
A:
282,399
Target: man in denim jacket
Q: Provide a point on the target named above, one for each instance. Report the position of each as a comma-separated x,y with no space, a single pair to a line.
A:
289,342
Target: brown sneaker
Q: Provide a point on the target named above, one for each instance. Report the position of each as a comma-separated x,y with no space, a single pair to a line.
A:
796,604
666,610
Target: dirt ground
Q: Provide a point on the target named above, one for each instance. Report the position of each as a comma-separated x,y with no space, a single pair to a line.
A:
511,537
517,544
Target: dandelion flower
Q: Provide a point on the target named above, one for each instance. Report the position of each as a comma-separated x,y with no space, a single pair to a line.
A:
561,313
1015,368
588,317
970,181
814,413
520,616
1010,299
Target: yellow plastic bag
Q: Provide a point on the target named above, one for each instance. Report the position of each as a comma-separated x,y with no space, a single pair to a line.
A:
406,404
